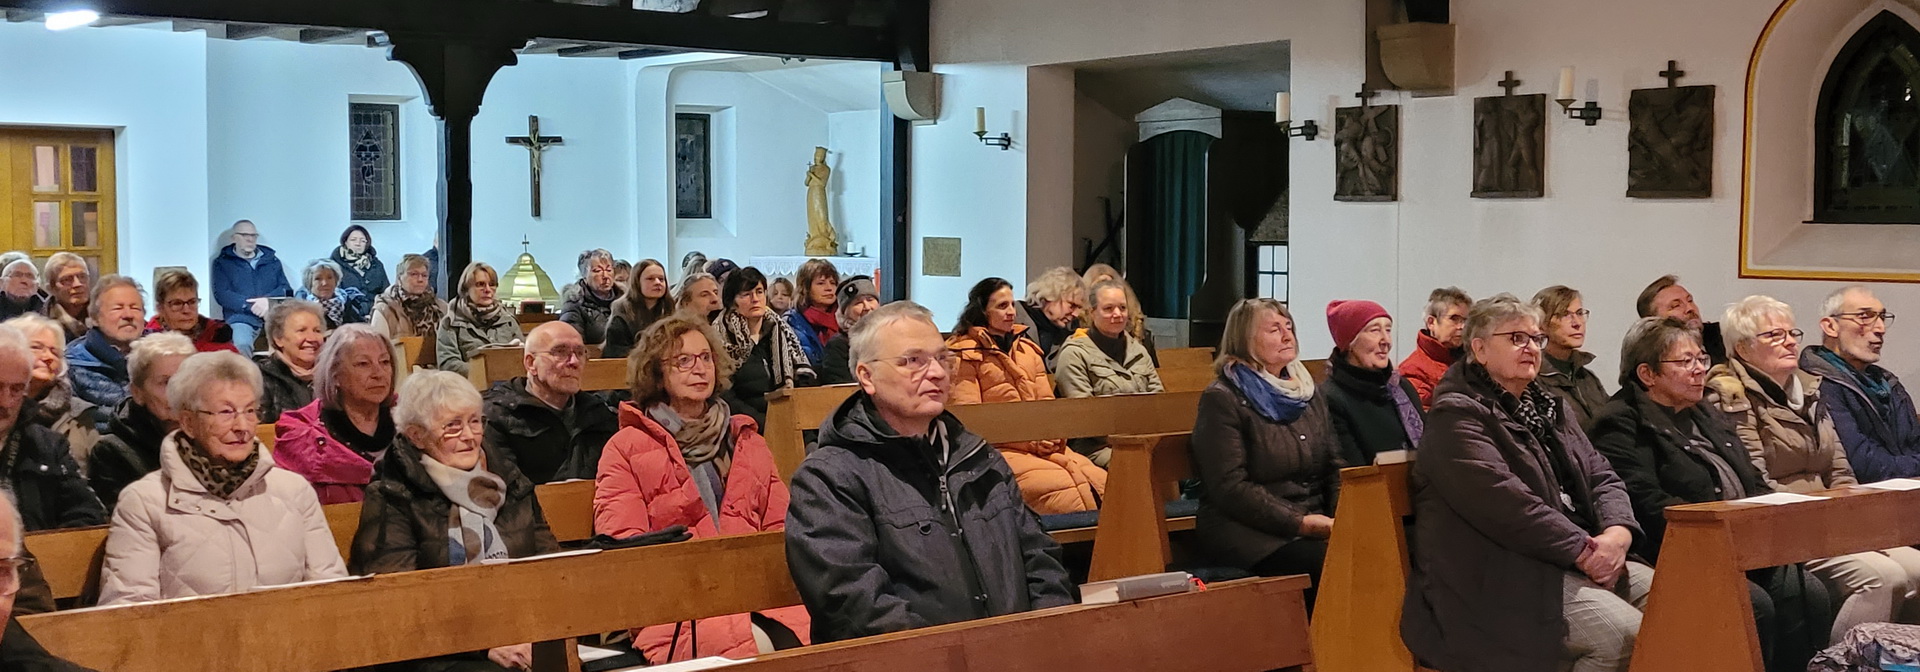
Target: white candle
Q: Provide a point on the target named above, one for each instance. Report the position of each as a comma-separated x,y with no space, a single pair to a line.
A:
1282,107
980,118
1566,85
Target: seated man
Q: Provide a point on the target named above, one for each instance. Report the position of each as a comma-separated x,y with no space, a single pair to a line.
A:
18,650
97,362
245,275
543,420
1439,343
879,509
1666,298
1871,410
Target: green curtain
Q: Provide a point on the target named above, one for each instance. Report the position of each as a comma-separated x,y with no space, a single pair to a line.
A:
1179,220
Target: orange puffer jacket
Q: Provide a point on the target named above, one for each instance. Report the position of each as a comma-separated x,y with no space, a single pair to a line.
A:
1053,479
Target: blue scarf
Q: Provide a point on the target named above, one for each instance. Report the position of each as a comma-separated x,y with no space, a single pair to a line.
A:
1878,389
1269,402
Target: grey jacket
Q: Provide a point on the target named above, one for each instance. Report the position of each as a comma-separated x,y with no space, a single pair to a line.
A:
458,339
1083,370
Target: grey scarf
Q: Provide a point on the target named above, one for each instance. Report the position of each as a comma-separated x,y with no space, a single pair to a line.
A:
477,495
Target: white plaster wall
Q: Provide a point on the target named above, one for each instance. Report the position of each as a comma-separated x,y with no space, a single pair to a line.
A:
964,189
854,192
761,154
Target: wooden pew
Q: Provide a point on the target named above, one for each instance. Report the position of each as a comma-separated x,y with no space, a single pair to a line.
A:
1186,358
501,367
528,321
1356,620
410,351
1699,615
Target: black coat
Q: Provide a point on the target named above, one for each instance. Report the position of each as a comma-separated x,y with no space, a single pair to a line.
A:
881,539
19,652
836,367
281,390
1364,416
47,483
752,380
370,283
403,522
128,451
1259,478
587,313
540,444
1639,437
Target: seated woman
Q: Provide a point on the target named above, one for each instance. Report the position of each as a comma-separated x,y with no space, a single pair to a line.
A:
682,457
999,363
341,305
55,406
409,308
813,320
1104,360
443,479
586,304
359,263
1524,528
1777,414
765,348
1374,409
642,305
335,441
20,290
131,447
218,517
1670,449
699,296
855,298
1565,371
1052,310
176,308
475,319
1136,318
295,331
1268,463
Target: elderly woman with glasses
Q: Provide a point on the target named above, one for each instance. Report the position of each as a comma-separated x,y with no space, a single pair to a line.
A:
1779,416
335,441
218,517
20,290
1671,449
409,308
443,498
53,402
588,303
683,457
176,308
341,305
1524,530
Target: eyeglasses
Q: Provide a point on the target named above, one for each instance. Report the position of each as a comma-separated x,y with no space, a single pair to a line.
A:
178,304
1866,317
1576,313
689,362
230,415
1521,339
1779,336
566,354
473,425
1700,361
917,362
10,574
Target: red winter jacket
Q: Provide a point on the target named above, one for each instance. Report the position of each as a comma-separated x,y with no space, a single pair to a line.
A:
302,445
212,335
644,485
1425,366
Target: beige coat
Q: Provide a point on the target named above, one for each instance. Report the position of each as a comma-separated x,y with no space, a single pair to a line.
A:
1083,370
171,538
1797,451
390,319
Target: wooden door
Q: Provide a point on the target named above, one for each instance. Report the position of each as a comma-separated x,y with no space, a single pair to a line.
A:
57,194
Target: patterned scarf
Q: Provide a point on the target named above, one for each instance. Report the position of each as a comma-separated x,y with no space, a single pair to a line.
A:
220,480
484,318
360,261
477,495
1536,408
423,309
1408,410
335,307
1274,398
788,363
9,456
706,447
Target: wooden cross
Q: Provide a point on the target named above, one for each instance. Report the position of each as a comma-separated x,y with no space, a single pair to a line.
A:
1366,95
535,144
1510,83
1673,73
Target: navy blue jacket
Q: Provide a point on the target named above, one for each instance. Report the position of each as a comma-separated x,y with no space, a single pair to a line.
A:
1880,443
235,280
98,371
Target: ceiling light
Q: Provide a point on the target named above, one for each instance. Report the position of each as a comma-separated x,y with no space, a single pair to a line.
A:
72,19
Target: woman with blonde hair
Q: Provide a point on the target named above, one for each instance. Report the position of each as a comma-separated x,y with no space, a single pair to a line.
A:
1136,318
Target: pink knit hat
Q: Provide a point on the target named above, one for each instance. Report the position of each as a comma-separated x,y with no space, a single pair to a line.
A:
1346,318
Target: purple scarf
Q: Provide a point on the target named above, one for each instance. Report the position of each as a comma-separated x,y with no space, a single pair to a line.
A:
1409,410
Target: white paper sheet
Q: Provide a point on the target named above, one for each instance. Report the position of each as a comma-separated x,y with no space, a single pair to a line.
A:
549,556
1894,484
1777,498
314,582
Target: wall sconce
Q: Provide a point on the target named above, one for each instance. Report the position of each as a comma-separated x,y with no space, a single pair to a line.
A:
1003,141
1283,115
1589,112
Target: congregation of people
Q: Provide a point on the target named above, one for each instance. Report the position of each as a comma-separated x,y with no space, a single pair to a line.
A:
1535,490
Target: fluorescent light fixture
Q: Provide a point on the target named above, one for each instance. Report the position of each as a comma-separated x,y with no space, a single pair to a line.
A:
71,19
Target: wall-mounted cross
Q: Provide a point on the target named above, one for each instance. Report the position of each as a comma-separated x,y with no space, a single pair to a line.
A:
535,144
1673,73
1366,95
1510,83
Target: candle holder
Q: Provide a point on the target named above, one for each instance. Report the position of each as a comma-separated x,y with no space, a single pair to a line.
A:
1306,129
1003,141
1589,112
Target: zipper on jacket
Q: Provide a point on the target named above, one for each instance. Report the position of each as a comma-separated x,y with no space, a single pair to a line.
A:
959,531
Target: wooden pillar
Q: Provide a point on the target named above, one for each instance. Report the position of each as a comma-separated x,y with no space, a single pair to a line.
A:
453,72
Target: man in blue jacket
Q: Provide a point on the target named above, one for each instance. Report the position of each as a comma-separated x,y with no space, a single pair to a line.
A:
245,275
1871,410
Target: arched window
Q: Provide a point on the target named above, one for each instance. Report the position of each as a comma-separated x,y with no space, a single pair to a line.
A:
1867,140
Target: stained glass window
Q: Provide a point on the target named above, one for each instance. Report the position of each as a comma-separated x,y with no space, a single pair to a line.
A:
1868,128
373,148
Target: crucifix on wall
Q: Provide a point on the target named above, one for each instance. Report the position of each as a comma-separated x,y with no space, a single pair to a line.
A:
535,144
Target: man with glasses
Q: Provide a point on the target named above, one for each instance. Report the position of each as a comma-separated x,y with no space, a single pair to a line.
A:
1871,410
20,289
245,275
1439,343
18,650
551,428
900,518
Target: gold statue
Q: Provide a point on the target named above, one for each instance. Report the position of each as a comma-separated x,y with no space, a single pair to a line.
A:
820,238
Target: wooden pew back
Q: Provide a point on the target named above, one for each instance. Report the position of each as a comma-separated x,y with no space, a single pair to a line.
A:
1131,538
1186,358
1356,623
597,375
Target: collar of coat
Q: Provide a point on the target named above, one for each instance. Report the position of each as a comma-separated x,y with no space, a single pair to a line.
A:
1733,388
1432,348
185,493
856,427
509,399
401,467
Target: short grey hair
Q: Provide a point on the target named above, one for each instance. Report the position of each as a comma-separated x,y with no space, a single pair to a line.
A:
58,264
7,258
1647,343
19,524
1057,283
427,393
1746,318
588,257
1494,312
108,283
6,267
333,358
860,340
1838,299
313,271
202,370
147,350
28,323
1439,300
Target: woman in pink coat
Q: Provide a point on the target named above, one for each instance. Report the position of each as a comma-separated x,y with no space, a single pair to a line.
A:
334,441
683,458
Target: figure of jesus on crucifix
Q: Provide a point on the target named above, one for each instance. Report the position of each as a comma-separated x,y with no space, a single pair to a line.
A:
535,144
